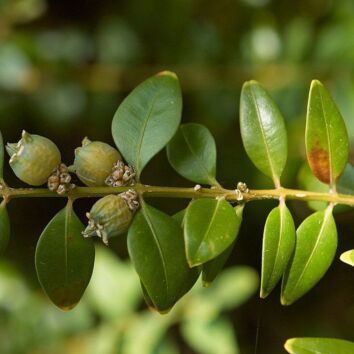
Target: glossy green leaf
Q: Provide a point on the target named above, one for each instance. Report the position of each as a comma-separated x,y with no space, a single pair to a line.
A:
155,245
263,130
211,269
348,257
278,246
327,145
179,216
210,227
1,157
316,244
64,259
319,346
4,228
147,119
192,153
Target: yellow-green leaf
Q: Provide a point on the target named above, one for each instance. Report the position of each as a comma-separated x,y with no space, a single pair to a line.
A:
319,346
348,257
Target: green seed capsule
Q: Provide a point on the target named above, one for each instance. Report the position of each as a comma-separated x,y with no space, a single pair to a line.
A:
33,158
94,162
109,217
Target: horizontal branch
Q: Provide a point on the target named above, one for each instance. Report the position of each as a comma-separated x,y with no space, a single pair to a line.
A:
176,192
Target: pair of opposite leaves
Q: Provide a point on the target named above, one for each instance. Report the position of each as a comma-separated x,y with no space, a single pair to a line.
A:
300,257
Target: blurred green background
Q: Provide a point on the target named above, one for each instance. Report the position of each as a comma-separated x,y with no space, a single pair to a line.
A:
64,68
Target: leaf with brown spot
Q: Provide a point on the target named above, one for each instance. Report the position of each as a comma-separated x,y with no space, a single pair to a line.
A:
327,145
64,259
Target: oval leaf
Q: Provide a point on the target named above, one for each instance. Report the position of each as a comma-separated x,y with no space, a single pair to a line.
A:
147,119
327,145
192,153
64,259
315,249
348,257
210,226
319,346
263,130
4,228
155,245
211,269
278,246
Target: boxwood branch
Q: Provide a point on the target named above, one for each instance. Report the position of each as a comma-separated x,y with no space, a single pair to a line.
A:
147,191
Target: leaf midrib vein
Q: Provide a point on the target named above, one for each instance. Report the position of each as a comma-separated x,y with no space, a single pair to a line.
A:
263,135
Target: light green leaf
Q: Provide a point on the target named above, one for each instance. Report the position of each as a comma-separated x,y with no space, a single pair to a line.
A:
211,269
348,257
210,226
4,228
278,246
233,287
327,145
1,157
155,245
315,249
64,259
263,130
210,337
114,289
147,119
144,334
319,346
192,153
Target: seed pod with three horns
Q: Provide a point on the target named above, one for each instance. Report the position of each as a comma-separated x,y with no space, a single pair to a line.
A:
94,161
111,215
33,158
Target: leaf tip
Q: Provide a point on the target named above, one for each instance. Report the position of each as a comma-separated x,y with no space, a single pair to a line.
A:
264,293
346,257
167,73
288,344
285,301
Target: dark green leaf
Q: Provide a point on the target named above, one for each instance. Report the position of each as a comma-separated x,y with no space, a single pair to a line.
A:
315,248
263,130
210,227
147,119
319,346
211,269
155,244
278,246
327,145
348,257
1,157
345,182
192,153
64,259
4,228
